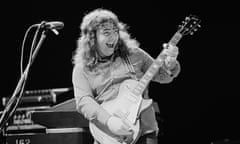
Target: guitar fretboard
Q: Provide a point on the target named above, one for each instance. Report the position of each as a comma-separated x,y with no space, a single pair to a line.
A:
147,77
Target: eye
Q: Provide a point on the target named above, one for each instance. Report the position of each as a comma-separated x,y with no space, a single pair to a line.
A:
106,33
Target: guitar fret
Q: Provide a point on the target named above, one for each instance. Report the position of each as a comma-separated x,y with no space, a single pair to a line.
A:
143,81
141,85
137,91
147,77
153,69
175,39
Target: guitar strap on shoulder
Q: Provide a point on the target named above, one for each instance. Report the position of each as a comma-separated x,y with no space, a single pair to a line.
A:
130,67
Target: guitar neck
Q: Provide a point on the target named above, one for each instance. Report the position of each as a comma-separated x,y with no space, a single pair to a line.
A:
152,70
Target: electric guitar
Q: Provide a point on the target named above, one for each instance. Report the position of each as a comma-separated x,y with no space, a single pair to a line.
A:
129,103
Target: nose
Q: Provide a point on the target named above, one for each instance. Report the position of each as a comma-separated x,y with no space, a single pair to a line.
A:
113,37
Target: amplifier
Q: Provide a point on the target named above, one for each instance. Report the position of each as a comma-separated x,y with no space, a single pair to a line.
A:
22,116
44,97
52,136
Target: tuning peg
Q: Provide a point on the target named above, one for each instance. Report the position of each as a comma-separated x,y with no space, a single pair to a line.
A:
183,22
187,18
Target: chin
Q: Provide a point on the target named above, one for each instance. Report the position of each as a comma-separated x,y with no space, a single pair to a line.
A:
110,53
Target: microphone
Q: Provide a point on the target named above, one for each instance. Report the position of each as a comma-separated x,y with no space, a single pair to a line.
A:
53,25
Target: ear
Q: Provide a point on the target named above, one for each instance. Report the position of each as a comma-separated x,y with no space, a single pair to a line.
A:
91,38
91,42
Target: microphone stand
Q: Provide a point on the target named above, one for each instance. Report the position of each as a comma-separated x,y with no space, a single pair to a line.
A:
7,112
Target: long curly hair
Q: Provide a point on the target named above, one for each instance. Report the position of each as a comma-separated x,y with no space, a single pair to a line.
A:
86,51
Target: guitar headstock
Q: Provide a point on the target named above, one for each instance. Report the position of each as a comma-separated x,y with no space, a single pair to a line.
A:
189,25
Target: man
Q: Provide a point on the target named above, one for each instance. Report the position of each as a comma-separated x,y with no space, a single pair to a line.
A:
105,57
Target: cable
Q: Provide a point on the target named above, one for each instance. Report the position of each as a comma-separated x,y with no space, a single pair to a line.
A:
23,45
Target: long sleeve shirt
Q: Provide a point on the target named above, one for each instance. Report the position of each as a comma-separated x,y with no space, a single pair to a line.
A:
91,88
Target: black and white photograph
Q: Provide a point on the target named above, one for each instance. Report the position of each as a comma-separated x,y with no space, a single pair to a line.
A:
119,72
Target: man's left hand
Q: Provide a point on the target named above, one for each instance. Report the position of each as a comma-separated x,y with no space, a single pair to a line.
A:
171,53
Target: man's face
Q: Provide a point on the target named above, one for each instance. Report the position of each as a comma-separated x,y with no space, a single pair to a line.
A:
107,38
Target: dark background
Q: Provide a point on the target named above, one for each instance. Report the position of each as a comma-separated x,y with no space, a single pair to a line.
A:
199,106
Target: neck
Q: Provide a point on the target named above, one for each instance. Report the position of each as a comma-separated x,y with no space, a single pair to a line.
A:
103,58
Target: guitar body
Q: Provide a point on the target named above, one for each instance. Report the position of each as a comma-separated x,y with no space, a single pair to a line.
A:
125,106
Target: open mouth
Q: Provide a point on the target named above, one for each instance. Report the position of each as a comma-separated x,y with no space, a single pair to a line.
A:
110,45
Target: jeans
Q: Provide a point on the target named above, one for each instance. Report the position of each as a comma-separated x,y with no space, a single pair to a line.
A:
150,138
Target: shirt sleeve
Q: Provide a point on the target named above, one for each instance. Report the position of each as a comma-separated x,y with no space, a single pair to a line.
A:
165,74
85,103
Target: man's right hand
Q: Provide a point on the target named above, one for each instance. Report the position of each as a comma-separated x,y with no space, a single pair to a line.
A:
118,127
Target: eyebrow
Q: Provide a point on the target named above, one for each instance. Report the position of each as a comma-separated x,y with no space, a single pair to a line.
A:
107,29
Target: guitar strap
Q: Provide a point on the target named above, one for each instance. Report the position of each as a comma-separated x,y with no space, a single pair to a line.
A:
130,67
